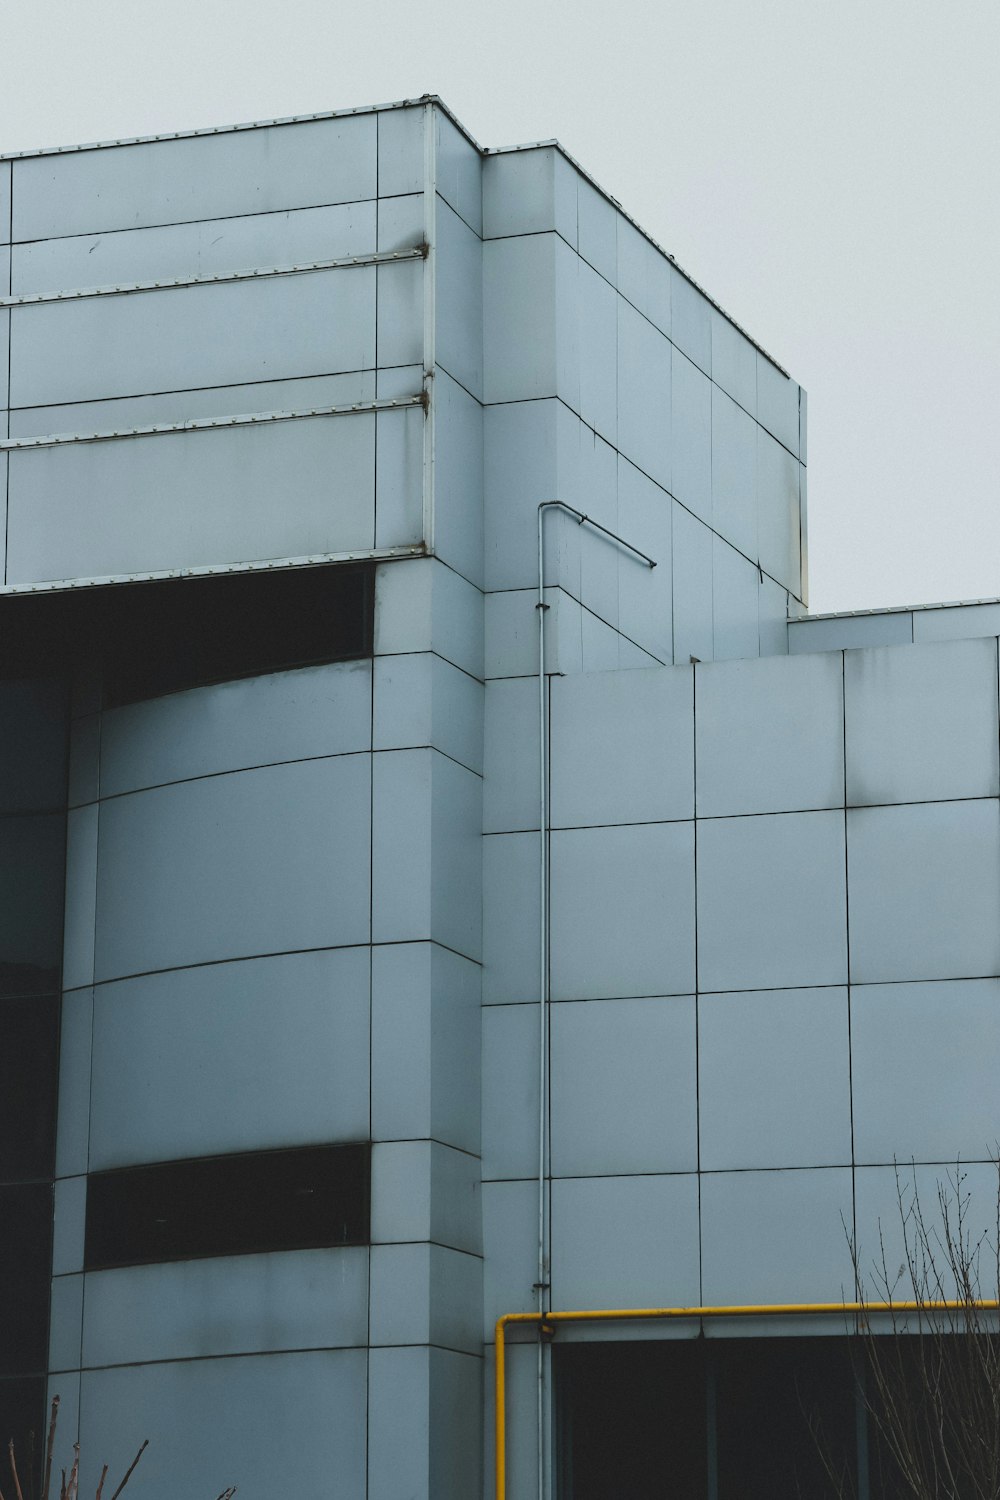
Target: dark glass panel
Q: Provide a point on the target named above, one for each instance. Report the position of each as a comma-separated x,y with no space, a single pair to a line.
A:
23,1419
32,876
29,1048
229,1205
160,637
25,1266
33,745
769,1394
631,1420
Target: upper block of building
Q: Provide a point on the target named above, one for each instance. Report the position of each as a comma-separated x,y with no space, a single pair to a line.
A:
362,335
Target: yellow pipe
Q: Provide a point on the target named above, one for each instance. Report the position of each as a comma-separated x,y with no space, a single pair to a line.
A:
620,1314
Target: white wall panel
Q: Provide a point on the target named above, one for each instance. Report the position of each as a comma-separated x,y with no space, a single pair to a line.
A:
265,861
425,1042
510,917
623,911
425,1294
250,1056
232,726
511,792
169,182
458,478
287,489
956,624
926,1070
643,275
770,735
217,1405
399,456
459,301
924,891
4,201
644,394
622,747
201,249
692,587
424,1421
290,1300
529,192
774,1079
734,362
422,1190
522,442
400,314
215,334
65,1331
734,473
850,631
420,699
691,328
922,722
791,1244
510,1241
597,229
771,901
778,404
126,412
519,318
645,595
735,586
510,1091
624,1086
778,540
426,854
459,172
400,151
691,418
656,1217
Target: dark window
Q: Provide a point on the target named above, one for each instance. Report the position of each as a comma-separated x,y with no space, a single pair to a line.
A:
33,748
32,877
29,1047
22,1416
160,637
25,1261
631,1420
706,1419
781,1404
228,1205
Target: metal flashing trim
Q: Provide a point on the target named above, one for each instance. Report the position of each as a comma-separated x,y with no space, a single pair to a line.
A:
894,609
186,135
209,424
376,258
217,570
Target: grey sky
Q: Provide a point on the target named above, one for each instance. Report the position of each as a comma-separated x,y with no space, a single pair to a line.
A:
828,171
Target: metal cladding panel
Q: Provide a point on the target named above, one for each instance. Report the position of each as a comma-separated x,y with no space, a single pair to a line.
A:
182,500
167,407
218,1405
4,202
205,248
169,182
215,334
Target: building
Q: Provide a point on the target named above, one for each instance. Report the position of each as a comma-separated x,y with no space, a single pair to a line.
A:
282,405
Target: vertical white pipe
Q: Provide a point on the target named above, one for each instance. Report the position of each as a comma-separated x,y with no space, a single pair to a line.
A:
430,317
542,1285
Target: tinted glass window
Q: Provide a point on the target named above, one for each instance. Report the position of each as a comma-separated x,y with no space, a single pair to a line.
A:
228,1205
33,717
32,876
160,637
29,1045
23,1419
25,1260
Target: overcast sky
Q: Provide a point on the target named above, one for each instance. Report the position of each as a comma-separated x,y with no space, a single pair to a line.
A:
829,170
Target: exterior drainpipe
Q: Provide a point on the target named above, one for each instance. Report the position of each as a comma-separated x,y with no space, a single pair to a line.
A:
542,1284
